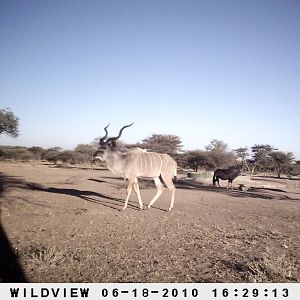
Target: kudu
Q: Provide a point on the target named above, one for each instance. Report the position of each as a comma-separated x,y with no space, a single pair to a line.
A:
135,163
227,174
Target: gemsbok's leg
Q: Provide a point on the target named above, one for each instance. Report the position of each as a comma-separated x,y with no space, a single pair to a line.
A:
169,183
137,190
160,188
129,189
229,185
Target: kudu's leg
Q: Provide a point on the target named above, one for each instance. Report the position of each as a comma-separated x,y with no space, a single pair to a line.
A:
137,190
159,191
169,183
129,189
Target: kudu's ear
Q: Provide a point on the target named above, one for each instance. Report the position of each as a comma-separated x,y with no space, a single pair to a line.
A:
112,145
101,143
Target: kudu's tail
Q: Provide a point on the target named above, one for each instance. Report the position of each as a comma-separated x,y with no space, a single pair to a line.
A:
175,175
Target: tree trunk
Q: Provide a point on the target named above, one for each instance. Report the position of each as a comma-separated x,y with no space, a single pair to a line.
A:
248,168
278,173
252,171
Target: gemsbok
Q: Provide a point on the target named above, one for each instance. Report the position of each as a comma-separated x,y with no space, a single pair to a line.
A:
135,163
227,174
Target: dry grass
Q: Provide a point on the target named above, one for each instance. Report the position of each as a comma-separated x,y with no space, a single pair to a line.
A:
173,258
264,269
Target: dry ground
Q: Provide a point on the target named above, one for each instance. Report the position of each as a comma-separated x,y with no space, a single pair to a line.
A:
65,225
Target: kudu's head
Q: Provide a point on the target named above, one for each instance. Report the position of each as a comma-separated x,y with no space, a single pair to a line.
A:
107,144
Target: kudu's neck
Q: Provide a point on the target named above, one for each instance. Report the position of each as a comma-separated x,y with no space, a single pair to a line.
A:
114,161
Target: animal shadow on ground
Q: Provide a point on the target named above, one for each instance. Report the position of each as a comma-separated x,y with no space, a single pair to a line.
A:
107,201
10,267
257,193
255,189
97,180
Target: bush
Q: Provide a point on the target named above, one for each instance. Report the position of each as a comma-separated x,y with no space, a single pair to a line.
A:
37,152
294,170
66,157
15,153
51,155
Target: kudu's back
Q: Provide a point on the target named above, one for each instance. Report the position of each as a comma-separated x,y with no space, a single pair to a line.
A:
149,164
142,163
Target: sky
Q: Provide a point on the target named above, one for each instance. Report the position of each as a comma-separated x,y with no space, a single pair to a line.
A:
201,70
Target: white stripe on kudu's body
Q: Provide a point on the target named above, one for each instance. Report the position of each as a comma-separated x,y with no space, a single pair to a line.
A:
138,163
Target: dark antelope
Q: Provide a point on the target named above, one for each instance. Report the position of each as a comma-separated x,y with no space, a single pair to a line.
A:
136,163
227,174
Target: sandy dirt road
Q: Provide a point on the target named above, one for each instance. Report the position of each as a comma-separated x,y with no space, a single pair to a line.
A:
66,225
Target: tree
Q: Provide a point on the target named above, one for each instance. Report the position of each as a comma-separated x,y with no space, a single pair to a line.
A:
37,152
282,161
15,152
163,143
9,123
52,154
295,169
260,157
199,158
219,154
243,153
84,152
66,156
217,145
